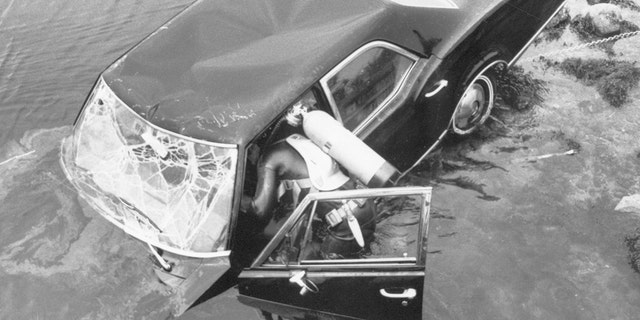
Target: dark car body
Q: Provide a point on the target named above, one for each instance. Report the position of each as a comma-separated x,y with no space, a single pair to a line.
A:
220,75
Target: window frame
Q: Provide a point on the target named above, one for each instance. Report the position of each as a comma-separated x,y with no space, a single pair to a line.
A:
418,260
324,81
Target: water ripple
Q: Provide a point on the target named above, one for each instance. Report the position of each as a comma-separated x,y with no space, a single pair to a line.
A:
54,50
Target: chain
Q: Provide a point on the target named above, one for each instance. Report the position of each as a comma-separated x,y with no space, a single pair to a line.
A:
585,45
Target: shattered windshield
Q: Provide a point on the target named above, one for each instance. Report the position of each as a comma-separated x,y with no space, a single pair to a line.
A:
170,191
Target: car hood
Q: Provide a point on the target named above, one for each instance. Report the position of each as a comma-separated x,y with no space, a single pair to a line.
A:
223,70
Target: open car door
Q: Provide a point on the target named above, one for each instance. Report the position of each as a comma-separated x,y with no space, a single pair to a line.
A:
294,278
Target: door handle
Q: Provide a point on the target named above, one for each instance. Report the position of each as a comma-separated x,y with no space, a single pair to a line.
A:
441,85
305,284
409,293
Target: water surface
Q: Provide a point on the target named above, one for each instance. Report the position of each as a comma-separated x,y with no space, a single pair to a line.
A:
59,260
516,240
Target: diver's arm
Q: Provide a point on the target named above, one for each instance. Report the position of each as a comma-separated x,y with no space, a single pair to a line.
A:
279,162
265,198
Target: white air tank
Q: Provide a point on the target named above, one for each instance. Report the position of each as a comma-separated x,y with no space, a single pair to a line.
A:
349,151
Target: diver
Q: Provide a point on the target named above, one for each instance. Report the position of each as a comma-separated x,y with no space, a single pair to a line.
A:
287,172
290,169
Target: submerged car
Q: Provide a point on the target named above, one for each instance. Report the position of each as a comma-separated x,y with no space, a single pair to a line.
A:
168,140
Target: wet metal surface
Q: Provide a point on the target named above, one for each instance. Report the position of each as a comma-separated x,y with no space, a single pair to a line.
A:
511,238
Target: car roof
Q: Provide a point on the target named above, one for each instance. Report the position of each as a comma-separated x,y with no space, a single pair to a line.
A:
222,70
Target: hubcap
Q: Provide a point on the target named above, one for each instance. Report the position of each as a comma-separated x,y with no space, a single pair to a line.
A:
474,106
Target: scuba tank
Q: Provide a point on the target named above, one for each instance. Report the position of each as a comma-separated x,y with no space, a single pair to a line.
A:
348,150
353,154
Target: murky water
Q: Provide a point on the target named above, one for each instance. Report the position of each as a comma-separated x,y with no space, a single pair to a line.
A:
58,261
510,239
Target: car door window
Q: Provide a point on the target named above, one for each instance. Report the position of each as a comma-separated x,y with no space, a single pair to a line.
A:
392,228
360,86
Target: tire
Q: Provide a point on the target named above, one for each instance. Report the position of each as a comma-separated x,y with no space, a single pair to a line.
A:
476,94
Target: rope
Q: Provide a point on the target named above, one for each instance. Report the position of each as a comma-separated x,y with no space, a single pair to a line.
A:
585,45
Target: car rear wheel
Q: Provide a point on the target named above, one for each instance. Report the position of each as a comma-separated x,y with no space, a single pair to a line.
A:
477,96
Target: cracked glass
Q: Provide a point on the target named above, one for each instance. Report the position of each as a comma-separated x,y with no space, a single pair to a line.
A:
167,190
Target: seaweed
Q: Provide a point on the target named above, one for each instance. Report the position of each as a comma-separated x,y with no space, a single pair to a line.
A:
633,245
518,89
613,79
470,184
554,30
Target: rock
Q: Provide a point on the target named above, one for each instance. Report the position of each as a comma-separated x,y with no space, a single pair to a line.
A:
629,4
629,204
606,18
